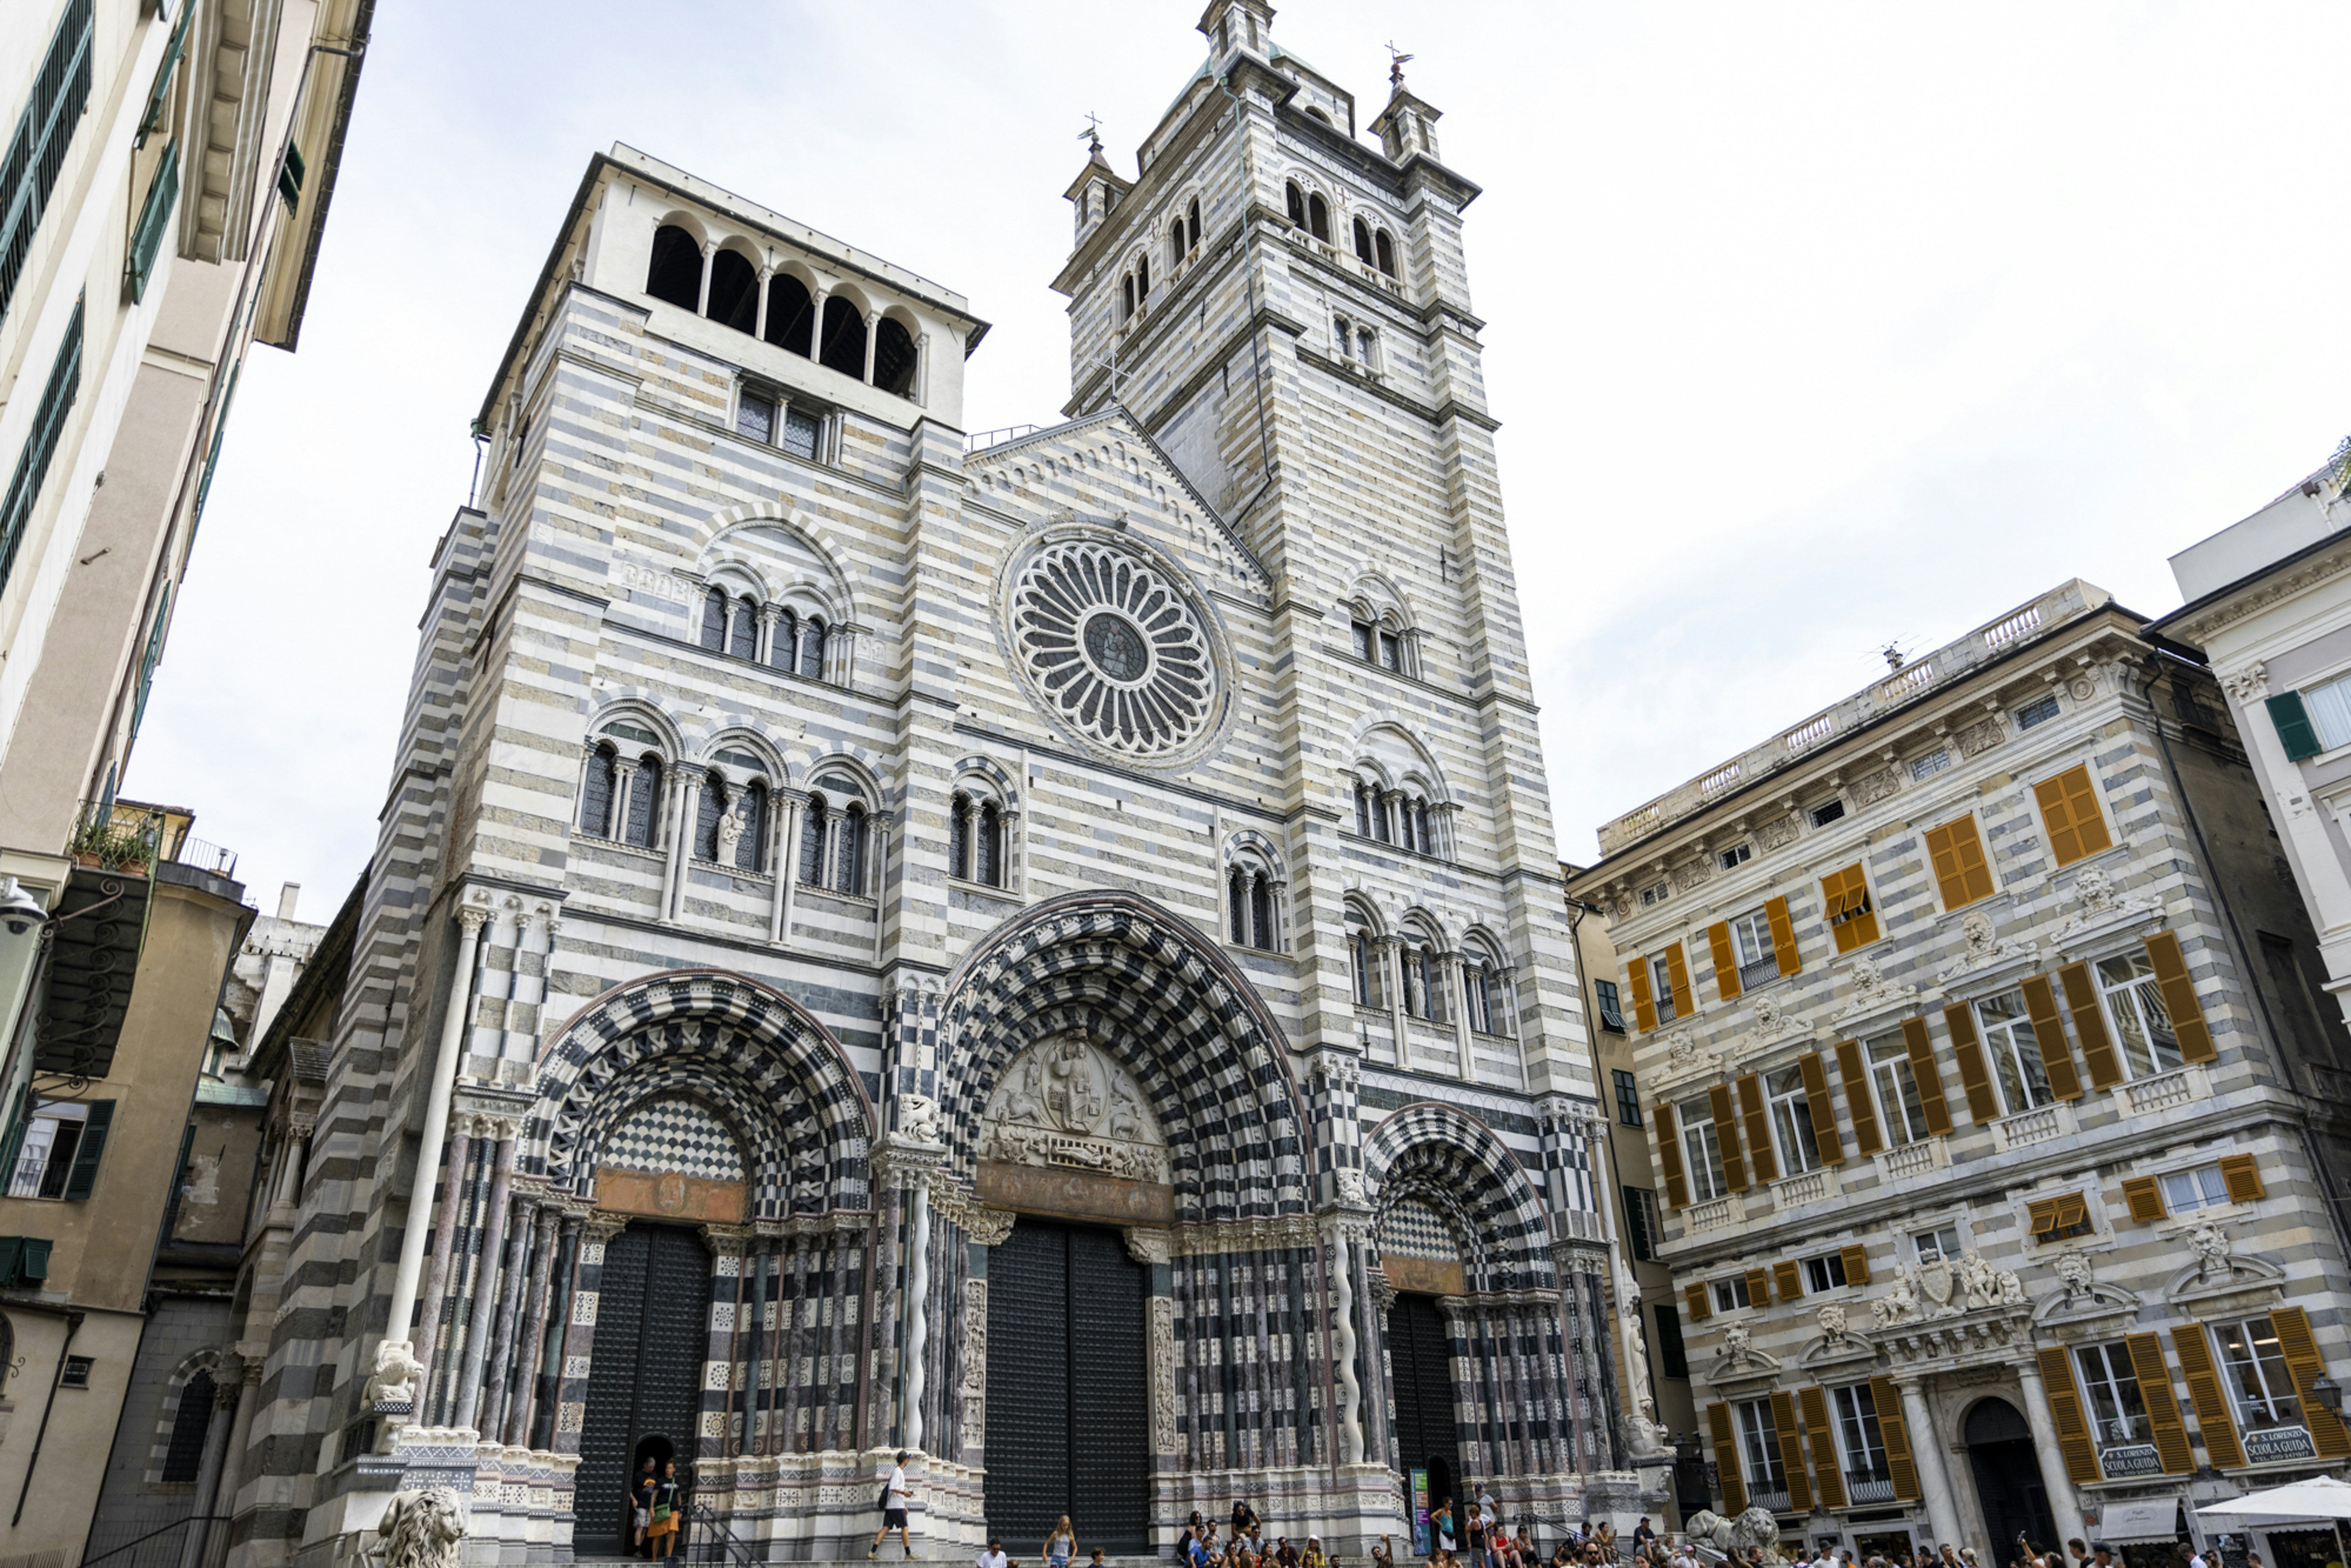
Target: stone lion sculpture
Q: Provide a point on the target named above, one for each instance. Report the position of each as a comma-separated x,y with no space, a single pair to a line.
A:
392,1379
1755,1534
421,1530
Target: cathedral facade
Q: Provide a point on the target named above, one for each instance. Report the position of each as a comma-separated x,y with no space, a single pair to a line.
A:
1044,950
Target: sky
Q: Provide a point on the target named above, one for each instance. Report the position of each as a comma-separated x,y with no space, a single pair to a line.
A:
1811,327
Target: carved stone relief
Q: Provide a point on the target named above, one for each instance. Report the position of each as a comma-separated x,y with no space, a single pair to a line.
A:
1063,1102
1163,1375
1872,788
975,1364
1979,736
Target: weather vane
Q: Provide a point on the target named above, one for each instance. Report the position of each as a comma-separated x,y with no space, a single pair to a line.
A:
1395,66
1092,132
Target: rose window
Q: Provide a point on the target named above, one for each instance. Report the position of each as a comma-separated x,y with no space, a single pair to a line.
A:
1114,648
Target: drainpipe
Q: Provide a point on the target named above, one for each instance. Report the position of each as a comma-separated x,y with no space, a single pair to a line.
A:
73,1326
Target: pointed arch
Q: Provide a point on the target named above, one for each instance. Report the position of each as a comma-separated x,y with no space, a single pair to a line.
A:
1446,1158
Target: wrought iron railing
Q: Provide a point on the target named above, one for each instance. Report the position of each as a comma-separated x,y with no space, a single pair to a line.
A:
712,1540
162,1547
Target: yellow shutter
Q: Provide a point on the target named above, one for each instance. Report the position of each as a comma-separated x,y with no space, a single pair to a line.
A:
1967,1051
2243,1176
1645,1005
1677,977
2144,1196
1931,1103
1763,1163
1827,1479
2065,1410
1725,1138
1956,850
2179,998
2073,1209
2162,1405
1816,1099
2049,1034
2305,1365
2211,1401
1896,1436
1792,1452
1701,1305
1783,936
1856,1264
1845,905
1726,1459
2040,1217
1669,1156
1726,962
2090,1023
1787,1282
2069,809
1759,1288
1858,1105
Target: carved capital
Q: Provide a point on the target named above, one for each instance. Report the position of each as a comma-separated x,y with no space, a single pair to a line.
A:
1147,1243
2248,685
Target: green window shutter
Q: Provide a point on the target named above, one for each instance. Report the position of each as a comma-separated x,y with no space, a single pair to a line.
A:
289,177
35,1264
172,55
48,428
12,1253
84,1174
154,221
2293,727
147,663
37,148
12,1142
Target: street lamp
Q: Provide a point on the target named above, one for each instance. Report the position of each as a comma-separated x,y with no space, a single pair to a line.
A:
2327,1391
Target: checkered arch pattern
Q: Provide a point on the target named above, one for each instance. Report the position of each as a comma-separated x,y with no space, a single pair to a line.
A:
1436,1155
673,1133
1147,987
1409,1227
776,1076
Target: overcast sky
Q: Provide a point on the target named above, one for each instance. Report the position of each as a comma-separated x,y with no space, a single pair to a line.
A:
1810,326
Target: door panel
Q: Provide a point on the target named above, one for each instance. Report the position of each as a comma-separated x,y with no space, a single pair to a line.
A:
653,1314
1421,1374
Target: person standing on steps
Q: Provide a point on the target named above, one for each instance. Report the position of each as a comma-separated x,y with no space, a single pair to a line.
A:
661,1534
896,1497
1059,1546
641,1506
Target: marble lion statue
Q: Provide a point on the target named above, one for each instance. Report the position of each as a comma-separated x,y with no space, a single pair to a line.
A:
421,1530
1755,1534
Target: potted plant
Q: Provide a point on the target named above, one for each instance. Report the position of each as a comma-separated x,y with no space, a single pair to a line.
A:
108,845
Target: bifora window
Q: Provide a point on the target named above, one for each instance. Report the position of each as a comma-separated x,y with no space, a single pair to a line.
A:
2015,1054
2110,1386
2259,1383
2143,1036
1792,1121
1861,1447
1899,1109
1701,1150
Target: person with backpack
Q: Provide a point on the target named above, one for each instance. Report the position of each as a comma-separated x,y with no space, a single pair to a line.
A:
895,1497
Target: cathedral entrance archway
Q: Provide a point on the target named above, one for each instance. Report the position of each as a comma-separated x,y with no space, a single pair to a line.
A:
2008,1475
1068,1400
644,1385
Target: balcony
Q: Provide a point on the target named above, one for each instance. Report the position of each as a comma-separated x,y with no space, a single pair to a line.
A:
1708,1216
1812,1187
1861,1490
1777,1501
2177,1087
2036,1126
1906,1160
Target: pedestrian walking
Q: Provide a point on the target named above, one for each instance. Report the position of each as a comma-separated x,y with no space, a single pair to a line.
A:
1061,1545
1440,1524
661,1530
641,1506
896,1498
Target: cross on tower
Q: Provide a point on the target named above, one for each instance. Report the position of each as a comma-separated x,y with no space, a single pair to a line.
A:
1395,65
1092,132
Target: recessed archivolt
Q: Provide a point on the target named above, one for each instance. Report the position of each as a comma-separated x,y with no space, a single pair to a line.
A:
1427,1150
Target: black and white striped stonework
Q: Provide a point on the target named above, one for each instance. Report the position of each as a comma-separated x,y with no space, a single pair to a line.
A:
1442,1157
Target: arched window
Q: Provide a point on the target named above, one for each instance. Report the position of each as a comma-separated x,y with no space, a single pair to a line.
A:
734,291
791,314
1381,828
812,843
644,802
743,635
893,359
1383,251
1192,226
1362,242
1364,957
783,653
751,849
1318,217
675,275
1176,245
959,815
1477,995
1297,199
989,849
1417,835
849,855
1368,804
844,340
714,619
1126,298
596,792
706,816
1261,933
184,1455
813,649
1142,282
1237,888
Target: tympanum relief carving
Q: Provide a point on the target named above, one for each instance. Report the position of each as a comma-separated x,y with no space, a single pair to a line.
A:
1063,1102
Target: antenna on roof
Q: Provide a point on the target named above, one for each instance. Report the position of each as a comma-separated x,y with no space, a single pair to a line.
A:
1092,132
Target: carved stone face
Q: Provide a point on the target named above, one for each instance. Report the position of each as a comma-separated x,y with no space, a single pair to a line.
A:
1976,927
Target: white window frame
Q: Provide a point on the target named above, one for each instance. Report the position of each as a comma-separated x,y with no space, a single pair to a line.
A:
1947,1253
1759,1447
2004,1039
1926,766
1661,987
2056,709
2276,1390
1888,1074
1752,948
1734,857
2211,1189
1792,1121
2328,703
1730,1294
2113,1370
2140,997
36,1155
1853,1411
1701,1151
1821,1283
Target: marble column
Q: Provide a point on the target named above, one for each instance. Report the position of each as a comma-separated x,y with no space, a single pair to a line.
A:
1460,984
493,1237
440,1086
681,850
1343,1345
918,1288
2062,1502
228,1384
1927,1448
520,1382
490,1418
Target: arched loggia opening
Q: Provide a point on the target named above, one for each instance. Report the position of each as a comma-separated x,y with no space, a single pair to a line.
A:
843,345
675,275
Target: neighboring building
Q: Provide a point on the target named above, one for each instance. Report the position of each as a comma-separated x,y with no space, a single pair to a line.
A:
139,958
198,1367
166,182
1977,1103
898,939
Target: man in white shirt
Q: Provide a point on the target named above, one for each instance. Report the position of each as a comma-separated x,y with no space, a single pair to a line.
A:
993,1557
2196,1560
896,1498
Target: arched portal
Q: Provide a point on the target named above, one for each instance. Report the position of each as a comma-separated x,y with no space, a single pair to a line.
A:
2007,1474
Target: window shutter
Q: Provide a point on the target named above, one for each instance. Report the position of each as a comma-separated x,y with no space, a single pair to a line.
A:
1699,1302
1669,1156
1956,850
1792,1451
2065,1410
1783,936
1968,1051
1759,1288
1678,976
2179,997
1787,1282
84,1174
1762,1160
2295,729
2243,1176
2145,1196
2049,1033
1645,1005
1931,1103
1896,1436
1726,963
1828,1480
2073,1209
2162,1404
2090,1023
2069,807
1856,1264
1858,1105
2040,1217
2195,1354
1726,1459
2305,1365
1726,1134
1816,1098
